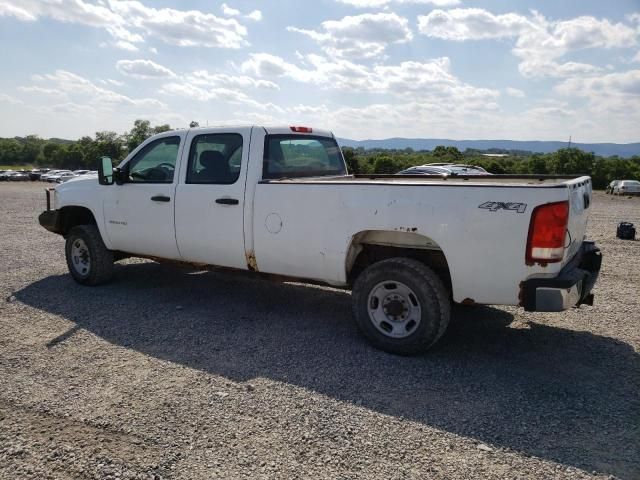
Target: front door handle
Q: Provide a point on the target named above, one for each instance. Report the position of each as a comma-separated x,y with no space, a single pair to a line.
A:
227,201
160,198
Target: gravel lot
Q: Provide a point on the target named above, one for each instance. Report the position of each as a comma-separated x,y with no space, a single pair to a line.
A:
174,374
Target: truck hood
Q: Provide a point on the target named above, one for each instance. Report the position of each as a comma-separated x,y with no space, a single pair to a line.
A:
79,182
77,191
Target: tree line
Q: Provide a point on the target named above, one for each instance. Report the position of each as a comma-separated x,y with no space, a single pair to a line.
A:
566,161
84,153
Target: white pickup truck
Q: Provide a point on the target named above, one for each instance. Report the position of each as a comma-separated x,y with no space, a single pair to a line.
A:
279,201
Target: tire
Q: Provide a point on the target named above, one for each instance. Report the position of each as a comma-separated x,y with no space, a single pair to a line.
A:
401,306
89,261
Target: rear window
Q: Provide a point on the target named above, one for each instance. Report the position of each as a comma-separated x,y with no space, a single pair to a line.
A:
294,156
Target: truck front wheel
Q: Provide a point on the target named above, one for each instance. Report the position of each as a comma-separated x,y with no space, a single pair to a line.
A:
89,261
401,306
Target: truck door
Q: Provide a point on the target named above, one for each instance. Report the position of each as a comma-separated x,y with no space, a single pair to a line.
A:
139,213
210,197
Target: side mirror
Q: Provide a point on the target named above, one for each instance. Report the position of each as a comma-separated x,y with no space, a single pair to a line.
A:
105,171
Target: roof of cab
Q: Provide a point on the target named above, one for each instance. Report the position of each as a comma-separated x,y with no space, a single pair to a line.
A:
274,129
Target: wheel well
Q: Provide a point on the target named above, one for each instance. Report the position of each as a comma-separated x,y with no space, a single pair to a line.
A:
363,254
73,216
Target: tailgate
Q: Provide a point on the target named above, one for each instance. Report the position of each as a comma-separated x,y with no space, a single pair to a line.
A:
580,197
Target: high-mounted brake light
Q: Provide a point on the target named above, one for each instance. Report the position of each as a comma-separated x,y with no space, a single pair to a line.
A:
301,129
547,233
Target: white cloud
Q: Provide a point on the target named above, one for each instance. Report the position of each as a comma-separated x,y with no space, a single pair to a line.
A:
462,24
228,11
612,101
205,78
123,45
620,84
79,90
111,81
636,58
384,3
10,10
514,92
4,98
226,95
360,36
131,21
424,80
540,43
256,15
143,69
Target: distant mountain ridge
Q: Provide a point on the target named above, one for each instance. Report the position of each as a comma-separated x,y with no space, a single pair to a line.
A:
624,150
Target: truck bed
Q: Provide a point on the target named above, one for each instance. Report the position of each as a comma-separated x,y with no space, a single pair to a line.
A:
545,181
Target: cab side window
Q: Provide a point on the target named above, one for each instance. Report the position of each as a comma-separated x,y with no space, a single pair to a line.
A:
155,163
215,159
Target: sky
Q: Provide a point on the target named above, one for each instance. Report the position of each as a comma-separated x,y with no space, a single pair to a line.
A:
365,69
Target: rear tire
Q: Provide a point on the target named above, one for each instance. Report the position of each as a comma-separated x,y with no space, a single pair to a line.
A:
89,261
401,306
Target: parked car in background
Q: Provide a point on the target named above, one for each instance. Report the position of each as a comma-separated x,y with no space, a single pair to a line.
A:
627,187
3,175
53,177
426,170
65,177
18,177
36,173
81,172
447,169
611,186
45,176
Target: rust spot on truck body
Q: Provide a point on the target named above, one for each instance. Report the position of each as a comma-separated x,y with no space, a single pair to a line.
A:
252,263
468,301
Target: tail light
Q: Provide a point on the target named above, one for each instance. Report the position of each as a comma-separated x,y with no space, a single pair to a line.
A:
547,233
301,129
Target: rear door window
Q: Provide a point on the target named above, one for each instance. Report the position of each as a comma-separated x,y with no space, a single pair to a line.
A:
294,156
215,159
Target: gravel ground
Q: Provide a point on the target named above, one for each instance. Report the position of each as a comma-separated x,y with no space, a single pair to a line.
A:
173,374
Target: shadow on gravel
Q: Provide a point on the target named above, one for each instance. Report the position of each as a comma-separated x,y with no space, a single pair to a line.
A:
559,394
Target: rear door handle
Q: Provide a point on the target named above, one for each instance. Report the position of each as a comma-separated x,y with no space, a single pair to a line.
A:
160,198
227,201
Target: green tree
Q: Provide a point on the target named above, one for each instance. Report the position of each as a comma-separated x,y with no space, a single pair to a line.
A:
448,154
139,133
351,160
385,165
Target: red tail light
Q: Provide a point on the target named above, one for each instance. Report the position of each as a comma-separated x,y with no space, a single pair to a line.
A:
301,129
547,233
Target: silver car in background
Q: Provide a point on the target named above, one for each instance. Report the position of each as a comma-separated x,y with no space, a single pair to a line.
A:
627,187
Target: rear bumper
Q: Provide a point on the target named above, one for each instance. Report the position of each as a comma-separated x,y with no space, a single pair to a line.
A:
571,288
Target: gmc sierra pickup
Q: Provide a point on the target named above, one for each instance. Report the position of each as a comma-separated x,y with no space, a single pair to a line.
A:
279,201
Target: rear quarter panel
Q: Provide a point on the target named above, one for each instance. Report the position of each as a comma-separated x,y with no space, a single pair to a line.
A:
484,247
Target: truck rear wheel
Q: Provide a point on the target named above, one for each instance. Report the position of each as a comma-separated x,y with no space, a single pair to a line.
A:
89,261
401,306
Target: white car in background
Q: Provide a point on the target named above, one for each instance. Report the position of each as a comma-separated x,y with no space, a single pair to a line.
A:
50,173
65,177
627,187
54,178
81,172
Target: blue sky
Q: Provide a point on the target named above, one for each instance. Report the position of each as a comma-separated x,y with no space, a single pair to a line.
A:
456,69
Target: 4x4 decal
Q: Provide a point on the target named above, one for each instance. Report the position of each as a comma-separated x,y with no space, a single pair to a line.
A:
495,206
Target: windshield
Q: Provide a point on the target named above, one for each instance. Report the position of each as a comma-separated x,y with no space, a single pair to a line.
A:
295,156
